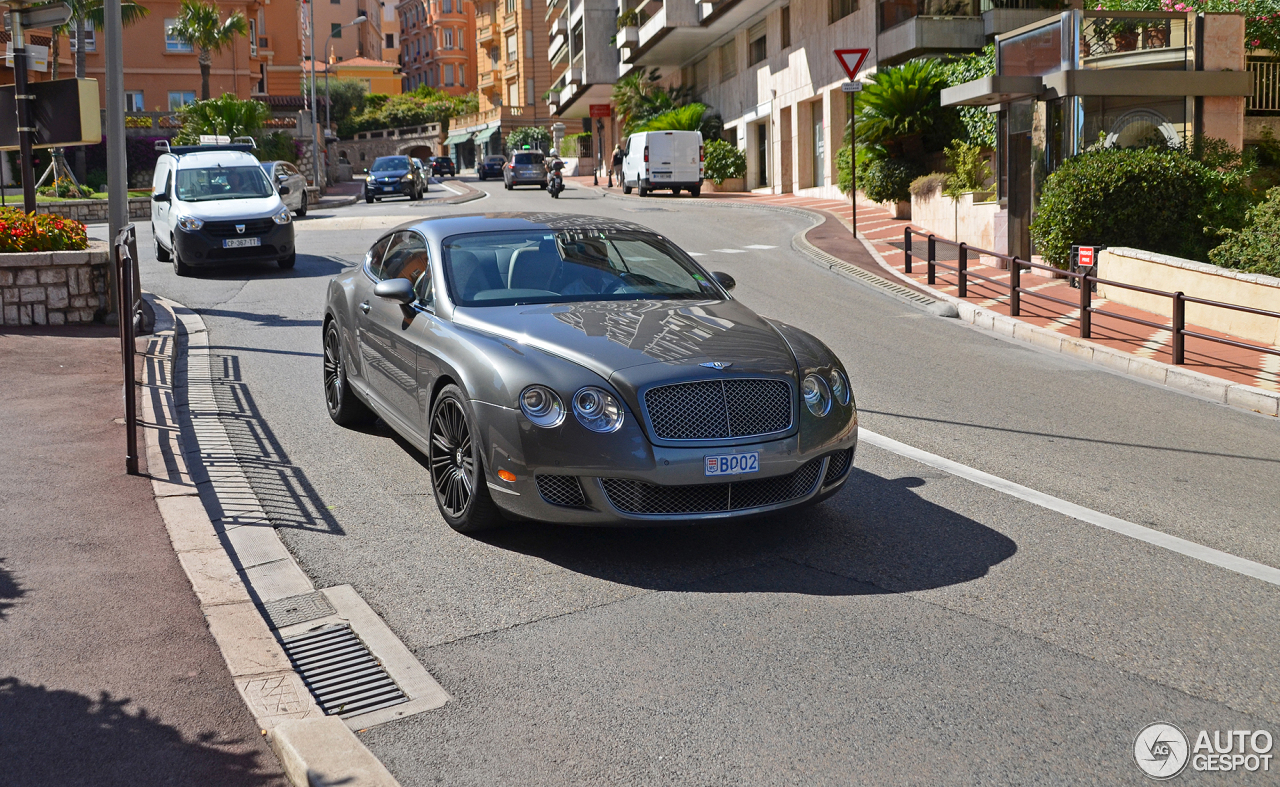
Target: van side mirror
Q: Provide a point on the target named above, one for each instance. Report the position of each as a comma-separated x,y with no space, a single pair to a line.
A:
160,196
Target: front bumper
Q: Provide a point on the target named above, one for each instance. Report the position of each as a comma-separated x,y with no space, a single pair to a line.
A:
397,189
643,484
203,247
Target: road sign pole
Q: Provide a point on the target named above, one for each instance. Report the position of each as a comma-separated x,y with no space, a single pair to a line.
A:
23,102
853,166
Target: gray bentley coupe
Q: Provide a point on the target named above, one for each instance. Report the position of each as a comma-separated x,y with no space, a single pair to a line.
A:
581,370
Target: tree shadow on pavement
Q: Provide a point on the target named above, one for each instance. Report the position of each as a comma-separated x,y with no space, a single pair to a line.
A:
10,590
56,738
875,536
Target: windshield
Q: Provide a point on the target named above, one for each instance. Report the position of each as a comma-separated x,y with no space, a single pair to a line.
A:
393,164
507,268
202,185
528,158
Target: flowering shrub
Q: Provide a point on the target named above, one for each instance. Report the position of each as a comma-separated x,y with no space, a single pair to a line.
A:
1261,17
40,232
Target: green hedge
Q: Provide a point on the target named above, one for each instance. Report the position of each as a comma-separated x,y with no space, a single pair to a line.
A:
886,179
723,161
1256,248
1152,198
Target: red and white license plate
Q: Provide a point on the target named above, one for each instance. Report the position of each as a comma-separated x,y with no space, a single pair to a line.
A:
733,464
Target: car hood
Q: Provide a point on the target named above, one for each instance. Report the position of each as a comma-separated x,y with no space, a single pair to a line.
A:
390,173
634,344
215,209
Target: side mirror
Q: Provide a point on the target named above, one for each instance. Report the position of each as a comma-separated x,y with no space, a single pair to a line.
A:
399,290
284,190
161,196
724,280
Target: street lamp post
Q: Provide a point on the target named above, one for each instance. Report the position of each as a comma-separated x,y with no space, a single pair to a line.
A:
358,20
311,43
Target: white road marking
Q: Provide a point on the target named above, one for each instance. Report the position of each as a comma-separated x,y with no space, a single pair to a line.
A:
447,187
757,246
695,254
730,251
1107,522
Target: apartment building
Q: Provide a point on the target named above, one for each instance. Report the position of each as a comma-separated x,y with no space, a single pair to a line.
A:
436,45
584,60
513,75
345,43
390,31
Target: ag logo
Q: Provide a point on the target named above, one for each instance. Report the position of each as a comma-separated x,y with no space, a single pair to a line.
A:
1161,750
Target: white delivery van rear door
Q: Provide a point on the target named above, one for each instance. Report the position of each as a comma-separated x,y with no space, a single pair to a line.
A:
673,157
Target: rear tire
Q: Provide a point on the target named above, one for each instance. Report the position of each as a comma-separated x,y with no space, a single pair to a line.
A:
696,191
675,192
162,254
644,192
341,402
180,267
456,465
626,189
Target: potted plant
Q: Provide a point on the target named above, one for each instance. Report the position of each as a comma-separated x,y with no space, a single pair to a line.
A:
628,28
725,166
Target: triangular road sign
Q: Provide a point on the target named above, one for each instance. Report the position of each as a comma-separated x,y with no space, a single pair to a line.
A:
851,60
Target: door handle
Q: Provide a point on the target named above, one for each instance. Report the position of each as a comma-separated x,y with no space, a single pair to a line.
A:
364,307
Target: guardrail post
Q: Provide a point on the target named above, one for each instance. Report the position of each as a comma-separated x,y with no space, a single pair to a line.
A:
1179,325
962,268
1015,283
933,255
1086,303
906,246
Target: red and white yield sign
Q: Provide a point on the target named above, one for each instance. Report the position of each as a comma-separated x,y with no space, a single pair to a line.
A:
851,61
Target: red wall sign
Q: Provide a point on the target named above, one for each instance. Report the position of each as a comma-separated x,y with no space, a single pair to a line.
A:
1085,256
601,111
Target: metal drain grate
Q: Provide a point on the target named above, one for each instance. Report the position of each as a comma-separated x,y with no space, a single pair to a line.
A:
832,261
341,673
297,609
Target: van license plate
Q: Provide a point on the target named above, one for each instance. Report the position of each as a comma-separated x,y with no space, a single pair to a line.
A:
240,243
661,176
733,464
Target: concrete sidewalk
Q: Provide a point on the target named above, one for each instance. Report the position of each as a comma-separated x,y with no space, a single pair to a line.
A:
108,672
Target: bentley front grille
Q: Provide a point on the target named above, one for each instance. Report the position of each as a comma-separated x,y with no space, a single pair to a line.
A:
838,466
561,490
638,497
719,409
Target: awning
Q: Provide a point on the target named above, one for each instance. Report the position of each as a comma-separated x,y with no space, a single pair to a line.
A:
483,136
454,139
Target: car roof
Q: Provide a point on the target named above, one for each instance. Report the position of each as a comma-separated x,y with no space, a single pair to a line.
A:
215,158
440,227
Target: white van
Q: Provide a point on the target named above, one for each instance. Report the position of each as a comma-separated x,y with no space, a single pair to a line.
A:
663,160
213,205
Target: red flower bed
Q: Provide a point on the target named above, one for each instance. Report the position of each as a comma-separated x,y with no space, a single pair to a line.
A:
42,232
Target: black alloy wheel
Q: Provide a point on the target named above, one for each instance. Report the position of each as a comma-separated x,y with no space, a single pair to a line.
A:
457,471
341,402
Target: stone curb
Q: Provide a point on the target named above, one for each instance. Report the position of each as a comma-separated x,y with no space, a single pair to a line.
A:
313,748
1243,397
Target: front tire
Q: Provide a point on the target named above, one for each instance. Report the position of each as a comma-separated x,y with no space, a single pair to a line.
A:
162,254
368,199
179,267
302,209
341,402
457,467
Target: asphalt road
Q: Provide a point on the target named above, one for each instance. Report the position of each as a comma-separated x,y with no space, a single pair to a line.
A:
917,628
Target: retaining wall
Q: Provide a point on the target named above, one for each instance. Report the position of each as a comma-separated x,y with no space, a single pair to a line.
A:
93,211
54,287
962,220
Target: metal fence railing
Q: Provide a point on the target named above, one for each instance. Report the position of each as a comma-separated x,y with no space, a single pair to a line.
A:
1085,304
1266,86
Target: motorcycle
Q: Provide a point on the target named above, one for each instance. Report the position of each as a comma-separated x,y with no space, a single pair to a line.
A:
555,180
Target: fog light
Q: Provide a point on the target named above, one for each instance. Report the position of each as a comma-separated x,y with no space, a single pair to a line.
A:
507,475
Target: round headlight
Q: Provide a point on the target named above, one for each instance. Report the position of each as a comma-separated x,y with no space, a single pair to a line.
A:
542,406
817,396
598,410
839,386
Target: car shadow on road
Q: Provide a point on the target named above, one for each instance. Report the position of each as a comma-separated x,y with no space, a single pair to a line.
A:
10,590
55,738
307,266
878,535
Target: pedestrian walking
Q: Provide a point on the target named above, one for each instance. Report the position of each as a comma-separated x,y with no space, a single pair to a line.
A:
615,168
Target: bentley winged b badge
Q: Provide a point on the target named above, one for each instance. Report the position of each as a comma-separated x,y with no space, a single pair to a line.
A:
716,365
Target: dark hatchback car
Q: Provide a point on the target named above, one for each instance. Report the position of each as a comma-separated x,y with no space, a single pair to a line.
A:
491,167
392,176
441,165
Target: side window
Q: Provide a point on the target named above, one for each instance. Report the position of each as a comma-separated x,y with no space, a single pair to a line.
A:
407,258
373,259
160,180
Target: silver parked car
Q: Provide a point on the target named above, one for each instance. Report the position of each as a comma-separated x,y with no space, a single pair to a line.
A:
581,370
526,168
290,184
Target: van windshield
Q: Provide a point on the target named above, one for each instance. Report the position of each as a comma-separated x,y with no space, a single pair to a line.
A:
202,185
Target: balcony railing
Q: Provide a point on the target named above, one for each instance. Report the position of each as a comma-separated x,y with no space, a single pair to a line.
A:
895,12
486,33
1266,87
1114,33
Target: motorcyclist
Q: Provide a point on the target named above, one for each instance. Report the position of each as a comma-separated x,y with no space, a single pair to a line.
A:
555,171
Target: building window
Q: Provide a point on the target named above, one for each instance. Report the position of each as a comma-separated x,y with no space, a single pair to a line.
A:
90,43
528,4
528,92
335,30
391,40
133,101
180,98
253,38
839,9
757,50
786,27
335,2
528,43
511,6
701,76
446,39
511,47
513,95
729,60
171,42
448,6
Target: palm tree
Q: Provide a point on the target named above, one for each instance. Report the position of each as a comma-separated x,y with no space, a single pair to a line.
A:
227,115
630,94
900,105
686,118
200,26
83,11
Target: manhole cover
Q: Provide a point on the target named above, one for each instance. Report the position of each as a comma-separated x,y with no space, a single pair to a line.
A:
297,609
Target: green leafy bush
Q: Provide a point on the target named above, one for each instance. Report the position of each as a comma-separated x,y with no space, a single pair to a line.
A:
228,116
887,179
978,123
1256,248
899,110
533,136
969,169
66,189
723,161
277,147
1153,198
422,106
41,232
